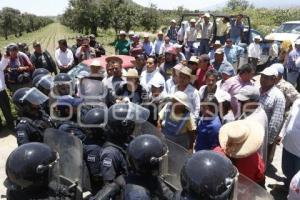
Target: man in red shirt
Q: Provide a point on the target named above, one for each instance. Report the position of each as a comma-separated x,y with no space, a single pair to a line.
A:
240,141
204,66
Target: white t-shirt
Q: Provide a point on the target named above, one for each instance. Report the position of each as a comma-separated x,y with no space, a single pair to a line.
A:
254,51
291,138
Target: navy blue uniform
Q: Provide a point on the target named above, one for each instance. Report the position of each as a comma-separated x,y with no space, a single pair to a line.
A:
146,187
31,130
112,162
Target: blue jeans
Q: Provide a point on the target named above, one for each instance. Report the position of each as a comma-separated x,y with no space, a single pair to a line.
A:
203,47
290,165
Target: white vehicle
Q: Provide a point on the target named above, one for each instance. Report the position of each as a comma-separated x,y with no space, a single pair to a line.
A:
287,31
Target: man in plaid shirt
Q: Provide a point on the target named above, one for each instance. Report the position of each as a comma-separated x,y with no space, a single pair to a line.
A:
273,102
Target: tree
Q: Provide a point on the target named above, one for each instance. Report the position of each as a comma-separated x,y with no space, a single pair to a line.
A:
150,18
235,4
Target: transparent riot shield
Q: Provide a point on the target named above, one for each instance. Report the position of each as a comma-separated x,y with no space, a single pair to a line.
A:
70,165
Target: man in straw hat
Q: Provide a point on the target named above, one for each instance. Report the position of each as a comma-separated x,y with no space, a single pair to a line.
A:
190,37
206,31
254,51
176,122
172,31
273,102
158,43
240,140
122,45
116,79
184,79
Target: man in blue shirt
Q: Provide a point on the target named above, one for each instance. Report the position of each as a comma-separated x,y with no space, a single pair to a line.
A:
233,53
147,45
237,28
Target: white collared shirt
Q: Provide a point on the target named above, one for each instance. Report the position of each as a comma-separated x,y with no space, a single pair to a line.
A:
146,79
64,58
254,50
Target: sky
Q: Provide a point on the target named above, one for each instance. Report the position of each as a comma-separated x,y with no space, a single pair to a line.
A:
56,7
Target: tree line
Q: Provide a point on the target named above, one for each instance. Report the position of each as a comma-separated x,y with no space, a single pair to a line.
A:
85,16
12,21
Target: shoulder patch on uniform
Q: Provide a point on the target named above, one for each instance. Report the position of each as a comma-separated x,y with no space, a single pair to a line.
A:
107,162
91,158
20,133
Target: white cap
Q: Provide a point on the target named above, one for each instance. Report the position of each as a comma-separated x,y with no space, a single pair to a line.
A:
297,42
279,67
257,37
207,15
217,42
131,33
122,33
192,20
270,71
173,21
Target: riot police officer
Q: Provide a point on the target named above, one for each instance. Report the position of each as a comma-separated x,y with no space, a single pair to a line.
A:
28,171
121,121
32,120
207,175
92,149
145,154
43,83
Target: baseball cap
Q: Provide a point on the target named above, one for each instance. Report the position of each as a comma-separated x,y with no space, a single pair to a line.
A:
248,92
227,68
279,67
270,71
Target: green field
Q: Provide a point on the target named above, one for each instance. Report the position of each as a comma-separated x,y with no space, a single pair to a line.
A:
49,35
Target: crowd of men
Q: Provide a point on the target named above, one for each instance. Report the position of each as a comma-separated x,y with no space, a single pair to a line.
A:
199,97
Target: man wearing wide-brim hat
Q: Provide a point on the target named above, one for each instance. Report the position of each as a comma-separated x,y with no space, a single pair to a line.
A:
254,51
184,79
122,45
176,122
240,141
132,89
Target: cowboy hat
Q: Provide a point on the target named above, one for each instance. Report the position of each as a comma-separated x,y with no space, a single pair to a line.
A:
187,71
132,73
182,98
114,59
242,138
96,63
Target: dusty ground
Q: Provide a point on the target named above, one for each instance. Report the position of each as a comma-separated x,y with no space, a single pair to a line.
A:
274,174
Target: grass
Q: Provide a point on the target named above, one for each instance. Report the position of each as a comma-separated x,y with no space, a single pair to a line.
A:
48,37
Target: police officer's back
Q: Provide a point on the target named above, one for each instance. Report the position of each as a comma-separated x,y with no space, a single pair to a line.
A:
32,119
145,155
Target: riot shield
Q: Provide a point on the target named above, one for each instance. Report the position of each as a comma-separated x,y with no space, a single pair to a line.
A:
69,148
246,189
171,164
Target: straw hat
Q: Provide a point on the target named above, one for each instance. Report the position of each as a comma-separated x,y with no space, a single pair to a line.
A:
132,73
114,59
240,139
182,98
187,71
96,63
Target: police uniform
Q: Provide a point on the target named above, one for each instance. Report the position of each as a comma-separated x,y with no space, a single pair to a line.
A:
146,187
91,155
112,162
31,130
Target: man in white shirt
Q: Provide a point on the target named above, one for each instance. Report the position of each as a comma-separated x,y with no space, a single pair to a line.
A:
64,56
254,51
291,143
165,46
184,79
158,43
4,102
273,51
190,37
206,30
151,73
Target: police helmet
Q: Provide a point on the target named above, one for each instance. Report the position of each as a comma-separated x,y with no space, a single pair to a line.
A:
95,116
62,77
145,154
208,175
29,165
26,99
44,83
39,71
